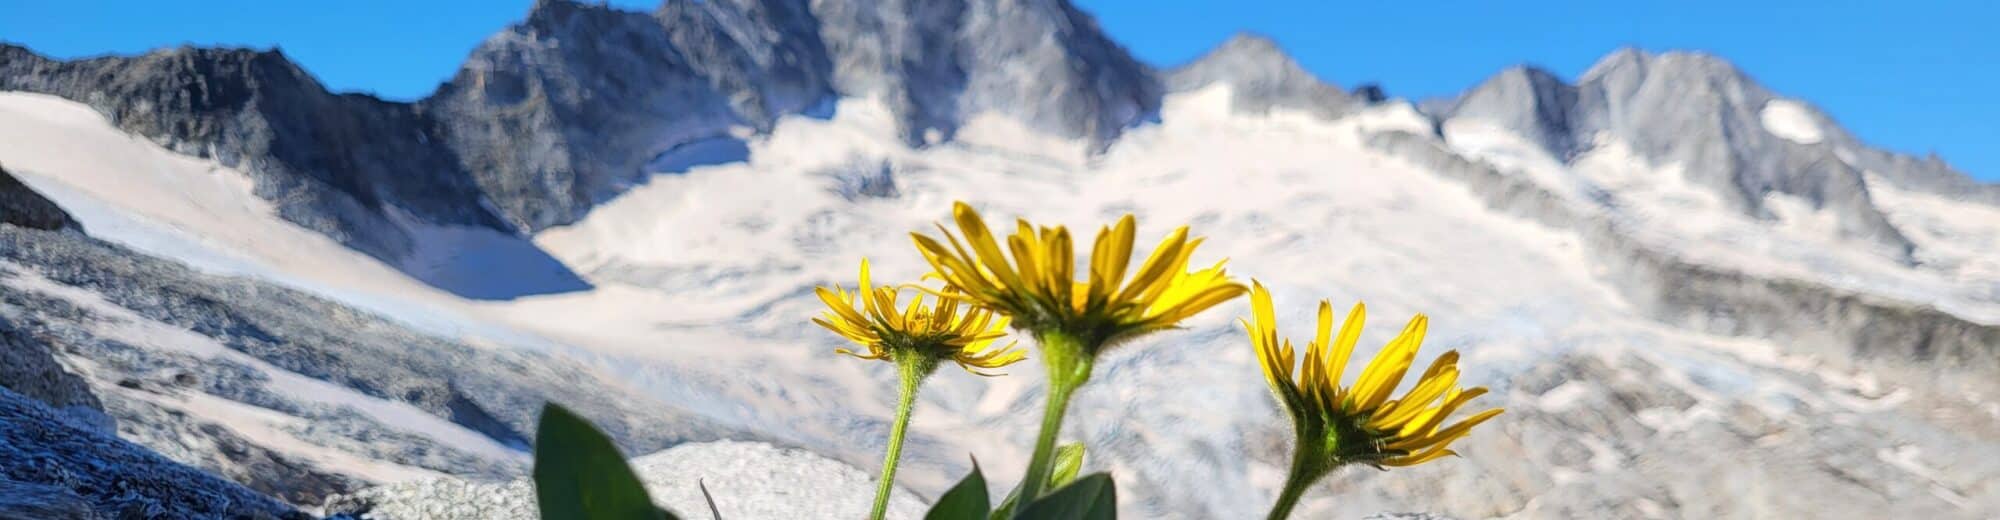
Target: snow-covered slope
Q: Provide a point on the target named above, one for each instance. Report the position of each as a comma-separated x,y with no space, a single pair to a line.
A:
229,356
699,286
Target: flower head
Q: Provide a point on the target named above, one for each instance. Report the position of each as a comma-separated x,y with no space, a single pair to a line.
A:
945,330
1360,423
1039,289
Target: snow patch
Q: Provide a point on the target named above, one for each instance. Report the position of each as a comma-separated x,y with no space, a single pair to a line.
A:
1790,120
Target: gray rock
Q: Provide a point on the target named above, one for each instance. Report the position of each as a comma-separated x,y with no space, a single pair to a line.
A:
33,371
1854,326
560,111
1261,77
492,391
28,501
329,162
748,480
21,206
1703,113
51,466
1041,61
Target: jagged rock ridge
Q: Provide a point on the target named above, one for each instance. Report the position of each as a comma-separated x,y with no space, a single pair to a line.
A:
1261,77
563,110
1701,112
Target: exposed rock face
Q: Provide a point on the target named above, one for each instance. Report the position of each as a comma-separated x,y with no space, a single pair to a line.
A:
328,162
1041,61
747,479
1261,76
1531,101
21,206
32,371
561,111
51,468
1701,112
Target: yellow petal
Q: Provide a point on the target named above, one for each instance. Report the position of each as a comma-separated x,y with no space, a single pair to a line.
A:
1431,418
1419,458
982,242
836,304
1343,345
1386,371
1157,267
1419,398
1445,436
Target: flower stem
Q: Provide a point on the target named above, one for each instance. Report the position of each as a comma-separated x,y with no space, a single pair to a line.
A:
1307,468
1069,364
912,369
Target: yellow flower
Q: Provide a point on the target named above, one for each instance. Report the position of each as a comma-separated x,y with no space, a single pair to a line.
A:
1361,423
945,330
1039,289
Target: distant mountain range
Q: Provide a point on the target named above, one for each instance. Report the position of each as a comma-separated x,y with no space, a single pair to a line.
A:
1685,285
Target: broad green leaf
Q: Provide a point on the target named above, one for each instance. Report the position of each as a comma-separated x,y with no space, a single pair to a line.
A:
1069,460
580,475
1093,497
965,501
1006,509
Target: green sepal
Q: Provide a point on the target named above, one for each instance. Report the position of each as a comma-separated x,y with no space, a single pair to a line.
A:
1069,461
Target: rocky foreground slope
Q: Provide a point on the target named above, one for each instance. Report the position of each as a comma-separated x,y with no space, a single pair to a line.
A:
287,393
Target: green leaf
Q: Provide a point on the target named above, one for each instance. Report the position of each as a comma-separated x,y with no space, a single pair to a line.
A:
1006,509
965,501
1069,460
1090,498
580,475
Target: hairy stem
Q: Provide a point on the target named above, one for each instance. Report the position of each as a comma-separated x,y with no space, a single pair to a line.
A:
1308,465
912,368
1069,363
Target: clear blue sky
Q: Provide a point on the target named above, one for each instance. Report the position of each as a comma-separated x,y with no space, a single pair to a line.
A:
1917,77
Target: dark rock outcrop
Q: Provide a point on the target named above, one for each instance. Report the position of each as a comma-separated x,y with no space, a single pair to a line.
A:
51,468
562,110
21,206
31,370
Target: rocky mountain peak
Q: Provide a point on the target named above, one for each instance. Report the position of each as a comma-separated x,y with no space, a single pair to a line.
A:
1043,62
1261,75
1701,112
1531,100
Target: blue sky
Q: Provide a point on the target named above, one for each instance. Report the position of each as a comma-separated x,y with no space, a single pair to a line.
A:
1919,77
